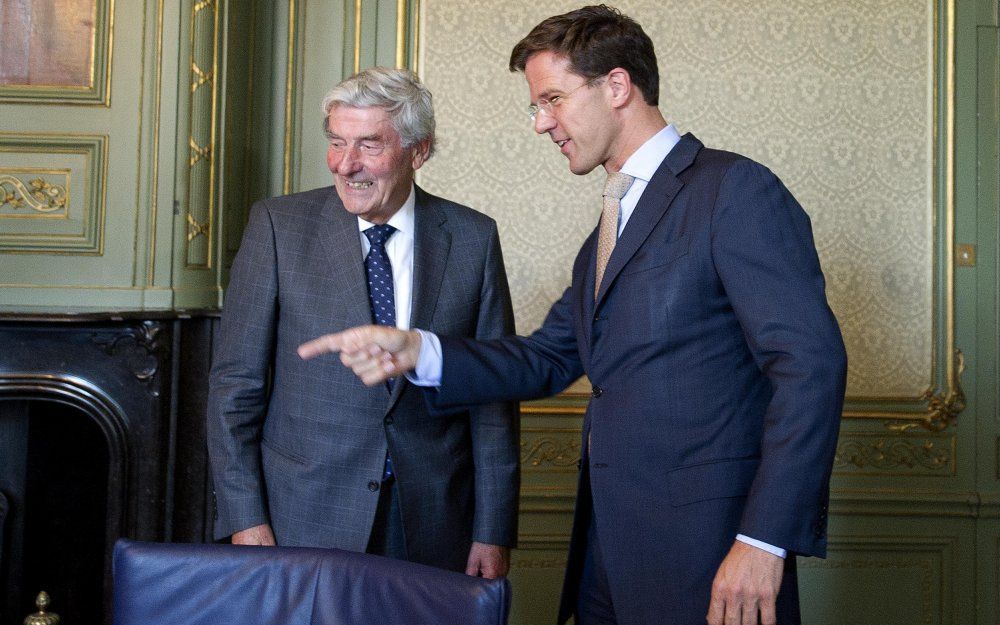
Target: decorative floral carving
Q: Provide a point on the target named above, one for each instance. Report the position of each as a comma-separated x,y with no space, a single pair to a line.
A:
550,451
885,454
142,347
558,564
38,195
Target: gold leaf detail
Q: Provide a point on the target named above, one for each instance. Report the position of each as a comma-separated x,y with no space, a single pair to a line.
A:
201,77
549,451
196,228
38,195
198,152
886,454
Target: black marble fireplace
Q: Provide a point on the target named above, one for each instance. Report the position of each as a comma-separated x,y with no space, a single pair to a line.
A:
101,436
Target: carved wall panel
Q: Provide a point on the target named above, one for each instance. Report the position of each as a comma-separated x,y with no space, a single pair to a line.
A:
202,146
907,573
52,193
899,454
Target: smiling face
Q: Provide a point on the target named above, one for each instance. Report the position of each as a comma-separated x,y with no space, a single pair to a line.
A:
579,119
371,169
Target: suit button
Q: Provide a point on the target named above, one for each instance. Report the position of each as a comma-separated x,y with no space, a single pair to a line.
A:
373,486
388,420
596,391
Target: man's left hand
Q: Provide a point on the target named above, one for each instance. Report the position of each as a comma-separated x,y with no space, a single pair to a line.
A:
489,561
746,585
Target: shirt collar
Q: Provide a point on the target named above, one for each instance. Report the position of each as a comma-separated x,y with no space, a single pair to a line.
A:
402,220
647,159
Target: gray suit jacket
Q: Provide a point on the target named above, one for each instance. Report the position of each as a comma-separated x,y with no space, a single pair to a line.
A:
301,444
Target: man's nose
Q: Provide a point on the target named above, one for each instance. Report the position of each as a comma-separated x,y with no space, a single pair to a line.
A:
544,122
349,162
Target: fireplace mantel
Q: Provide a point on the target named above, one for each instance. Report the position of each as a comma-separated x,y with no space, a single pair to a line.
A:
141,377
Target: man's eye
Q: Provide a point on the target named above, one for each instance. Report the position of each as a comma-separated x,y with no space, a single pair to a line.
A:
339,146
554,100
371,148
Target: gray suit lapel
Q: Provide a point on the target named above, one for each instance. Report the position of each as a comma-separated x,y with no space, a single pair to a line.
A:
655,200
342,244
431,245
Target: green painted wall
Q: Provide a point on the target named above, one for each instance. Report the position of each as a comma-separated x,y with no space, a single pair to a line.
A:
151,168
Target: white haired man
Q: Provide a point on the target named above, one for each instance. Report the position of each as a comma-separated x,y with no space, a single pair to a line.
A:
303,453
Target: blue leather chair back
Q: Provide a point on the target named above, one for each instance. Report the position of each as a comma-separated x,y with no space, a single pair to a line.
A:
189,584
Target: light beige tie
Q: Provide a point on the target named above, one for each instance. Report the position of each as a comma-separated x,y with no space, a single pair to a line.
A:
615,187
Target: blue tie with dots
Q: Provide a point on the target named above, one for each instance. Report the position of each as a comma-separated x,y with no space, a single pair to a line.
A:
380,290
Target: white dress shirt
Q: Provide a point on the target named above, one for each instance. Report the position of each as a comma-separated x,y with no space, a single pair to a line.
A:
641,165
399,249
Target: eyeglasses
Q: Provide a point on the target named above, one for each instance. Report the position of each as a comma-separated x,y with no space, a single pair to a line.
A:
545,105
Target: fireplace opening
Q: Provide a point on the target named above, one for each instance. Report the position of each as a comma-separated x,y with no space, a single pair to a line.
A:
54,489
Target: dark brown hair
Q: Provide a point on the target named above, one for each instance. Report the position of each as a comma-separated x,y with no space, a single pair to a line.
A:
595,39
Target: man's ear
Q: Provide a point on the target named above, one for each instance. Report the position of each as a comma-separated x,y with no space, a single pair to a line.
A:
620,83
421,152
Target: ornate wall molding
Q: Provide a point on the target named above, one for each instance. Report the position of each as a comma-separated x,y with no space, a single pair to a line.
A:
889,454
555,563
203,114
923,562
52,193
550,449
36,197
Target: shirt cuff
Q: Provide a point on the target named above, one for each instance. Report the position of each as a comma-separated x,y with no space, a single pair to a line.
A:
429,361
753,542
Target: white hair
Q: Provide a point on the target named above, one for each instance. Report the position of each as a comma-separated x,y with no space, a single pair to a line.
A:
398,91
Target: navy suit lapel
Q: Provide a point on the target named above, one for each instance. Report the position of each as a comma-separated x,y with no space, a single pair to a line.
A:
342,244
585,274
655,200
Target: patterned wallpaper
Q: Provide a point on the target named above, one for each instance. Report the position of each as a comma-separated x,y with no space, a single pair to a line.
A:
835,96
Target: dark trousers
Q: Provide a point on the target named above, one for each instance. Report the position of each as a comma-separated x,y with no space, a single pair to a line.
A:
387,538
593,603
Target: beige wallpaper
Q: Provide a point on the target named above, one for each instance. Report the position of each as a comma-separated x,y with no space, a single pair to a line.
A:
833,95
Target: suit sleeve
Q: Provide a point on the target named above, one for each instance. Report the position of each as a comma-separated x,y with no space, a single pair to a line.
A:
238,383
513,368
763,250
494,427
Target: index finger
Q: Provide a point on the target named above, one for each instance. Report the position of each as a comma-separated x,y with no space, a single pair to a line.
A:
327,344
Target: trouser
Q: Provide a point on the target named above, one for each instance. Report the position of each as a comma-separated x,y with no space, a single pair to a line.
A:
593,604
387,538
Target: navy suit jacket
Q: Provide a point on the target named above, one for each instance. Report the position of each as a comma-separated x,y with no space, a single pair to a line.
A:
718,376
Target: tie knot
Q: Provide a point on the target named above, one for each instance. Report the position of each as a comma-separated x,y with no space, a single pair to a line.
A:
378,235
617,185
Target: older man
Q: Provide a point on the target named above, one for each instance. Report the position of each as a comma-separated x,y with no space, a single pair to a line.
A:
302,453
697,310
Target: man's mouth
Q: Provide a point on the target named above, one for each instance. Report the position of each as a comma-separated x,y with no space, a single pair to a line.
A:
361,184
562,143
